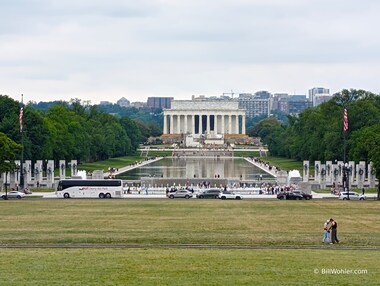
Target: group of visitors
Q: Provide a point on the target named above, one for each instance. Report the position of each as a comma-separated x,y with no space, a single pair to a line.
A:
330,231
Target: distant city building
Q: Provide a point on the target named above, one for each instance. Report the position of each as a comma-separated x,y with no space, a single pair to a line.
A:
321,98
298,103
138,104
123,102
274,101
159,102
105,103
257,104
315,91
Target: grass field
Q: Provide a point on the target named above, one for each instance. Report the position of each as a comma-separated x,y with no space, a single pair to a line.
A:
252,242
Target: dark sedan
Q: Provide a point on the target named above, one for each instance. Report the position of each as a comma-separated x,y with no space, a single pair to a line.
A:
209,194
305,196
289,196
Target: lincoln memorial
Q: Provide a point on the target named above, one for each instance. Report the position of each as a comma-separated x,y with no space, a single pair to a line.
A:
209,118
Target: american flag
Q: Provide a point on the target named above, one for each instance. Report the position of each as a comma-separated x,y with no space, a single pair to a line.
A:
345,120
21,117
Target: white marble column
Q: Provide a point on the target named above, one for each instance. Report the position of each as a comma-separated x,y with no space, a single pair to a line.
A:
185,129
171,124
208,123
200,124
165,124
223,126
178,124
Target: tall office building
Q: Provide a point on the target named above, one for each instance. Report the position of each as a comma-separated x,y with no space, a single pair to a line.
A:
159,102
255,104
317,91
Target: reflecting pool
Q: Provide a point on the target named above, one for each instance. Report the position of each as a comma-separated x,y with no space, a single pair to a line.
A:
207,168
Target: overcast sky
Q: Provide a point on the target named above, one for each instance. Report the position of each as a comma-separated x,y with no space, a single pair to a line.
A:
102,50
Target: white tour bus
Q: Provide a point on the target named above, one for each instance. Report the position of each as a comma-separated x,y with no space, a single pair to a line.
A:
89,189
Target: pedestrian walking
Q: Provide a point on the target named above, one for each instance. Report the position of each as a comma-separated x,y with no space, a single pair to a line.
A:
334,231
326,232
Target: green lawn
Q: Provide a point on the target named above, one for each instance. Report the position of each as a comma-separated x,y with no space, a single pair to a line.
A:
118,162
283,241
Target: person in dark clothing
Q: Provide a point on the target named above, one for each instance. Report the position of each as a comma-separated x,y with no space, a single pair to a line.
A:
334,231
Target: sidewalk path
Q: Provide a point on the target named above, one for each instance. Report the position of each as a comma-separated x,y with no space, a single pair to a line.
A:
131,167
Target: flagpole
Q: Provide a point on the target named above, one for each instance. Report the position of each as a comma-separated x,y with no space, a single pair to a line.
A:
22,183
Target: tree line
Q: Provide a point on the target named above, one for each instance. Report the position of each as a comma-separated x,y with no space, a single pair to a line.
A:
68,130
318,133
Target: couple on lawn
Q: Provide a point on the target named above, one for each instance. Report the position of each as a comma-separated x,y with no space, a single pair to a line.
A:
330,229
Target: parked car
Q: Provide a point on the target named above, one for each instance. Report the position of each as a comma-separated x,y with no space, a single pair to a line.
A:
290,196
209,194
13,195
180,194
306,196
229,195
352,196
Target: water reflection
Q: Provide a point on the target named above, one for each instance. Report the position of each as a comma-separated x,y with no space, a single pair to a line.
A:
224,168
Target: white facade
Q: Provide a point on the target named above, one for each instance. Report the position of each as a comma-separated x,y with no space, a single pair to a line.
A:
204,117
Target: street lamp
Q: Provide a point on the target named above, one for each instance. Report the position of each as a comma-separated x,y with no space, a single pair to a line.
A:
346,182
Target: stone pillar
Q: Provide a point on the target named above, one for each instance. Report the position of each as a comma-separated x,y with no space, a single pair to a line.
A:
323,176
329,172
335,174
200,124
317,172
243,125
62,169
50,173
237,124
351,165
371,175
306,169
38,173
28,173
171,124
165,123
340,168
18,172
74,167
360,174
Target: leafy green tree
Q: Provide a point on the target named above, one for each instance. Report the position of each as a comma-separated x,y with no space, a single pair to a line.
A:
9,151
